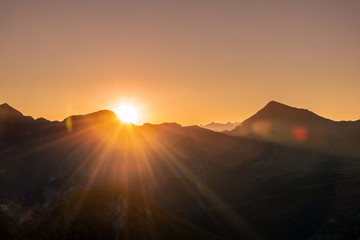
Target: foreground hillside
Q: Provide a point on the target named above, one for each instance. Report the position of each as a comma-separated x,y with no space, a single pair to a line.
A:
99,212
232,186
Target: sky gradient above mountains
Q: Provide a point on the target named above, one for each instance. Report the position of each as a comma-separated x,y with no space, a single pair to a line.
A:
190,62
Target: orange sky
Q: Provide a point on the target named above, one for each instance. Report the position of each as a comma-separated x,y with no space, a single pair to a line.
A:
191,62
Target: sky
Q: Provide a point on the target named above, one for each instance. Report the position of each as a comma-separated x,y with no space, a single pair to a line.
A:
189,61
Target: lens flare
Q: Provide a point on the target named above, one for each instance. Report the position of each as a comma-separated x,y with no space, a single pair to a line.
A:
300,133
68,123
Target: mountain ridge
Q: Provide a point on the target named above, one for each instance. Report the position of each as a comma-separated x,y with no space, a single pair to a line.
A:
272,106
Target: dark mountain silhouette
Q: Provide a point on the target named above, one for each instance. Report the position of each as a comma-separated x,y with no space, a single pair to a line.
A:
220,127
59,180
281,112
293,126
7,112
11,116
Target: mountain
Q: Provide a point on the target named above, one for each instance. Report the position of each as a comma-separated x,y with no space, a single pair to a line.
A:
198,183
220,127
7,111
283,124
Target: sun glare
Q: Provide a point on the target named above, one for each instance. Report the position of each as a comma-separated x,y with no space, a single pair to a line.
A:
127,113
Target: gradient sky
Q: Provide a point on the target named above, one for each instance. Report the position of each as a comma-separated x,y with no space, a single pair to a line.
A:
189,61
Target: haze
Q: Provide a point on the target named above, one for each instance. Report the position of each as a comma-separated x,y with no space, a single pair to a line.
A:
190,62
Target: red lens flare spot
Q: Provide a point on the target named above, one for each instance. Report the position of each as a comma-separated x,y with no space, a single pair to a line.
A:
300,133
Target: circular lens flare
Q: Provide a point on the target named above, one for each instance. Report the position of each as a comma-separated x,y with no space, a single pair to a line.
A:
127,113
300,133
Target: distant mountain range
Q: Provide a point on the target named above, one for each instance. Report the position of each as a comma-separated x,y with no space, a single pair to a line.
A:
220,127
285,173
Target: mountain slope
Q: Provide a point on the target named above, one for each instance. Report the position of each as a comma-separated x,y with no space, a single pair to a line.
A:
7,111
283,124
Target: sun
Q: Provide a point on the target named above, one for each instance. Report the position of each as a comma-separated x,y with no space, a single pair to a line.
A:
127,113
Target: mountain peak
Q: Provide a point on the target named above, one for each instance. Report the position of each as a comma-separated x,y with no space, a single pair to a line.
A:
7,111
274,105
279,110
